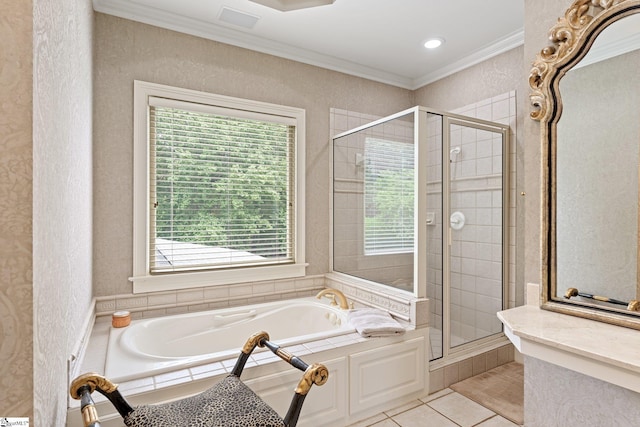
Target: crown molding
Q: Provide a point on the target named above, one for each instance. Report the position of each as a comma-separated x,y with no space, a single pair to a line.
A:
512,41
146,15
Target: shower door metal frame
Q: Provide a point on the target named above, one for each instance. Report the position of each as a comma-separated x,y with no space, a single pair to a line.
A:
447,121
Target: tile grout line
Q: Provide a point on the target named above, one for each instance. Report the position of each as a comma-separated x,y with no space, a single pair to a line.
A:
431,407
441,412
484,421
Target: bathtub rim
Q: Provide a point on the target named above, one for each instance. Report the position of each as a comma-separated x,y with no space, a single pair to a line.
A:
135,367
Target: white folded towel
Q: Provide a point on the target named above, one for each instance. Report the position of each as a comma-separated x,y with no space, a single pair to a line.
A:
373,322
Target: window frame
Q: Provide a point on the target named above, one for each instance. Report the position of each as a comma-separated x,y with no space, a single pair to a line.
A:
142,280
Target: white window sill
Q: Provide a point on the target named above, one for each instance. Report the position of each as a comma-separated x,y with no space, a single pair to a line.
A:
167,282
607,352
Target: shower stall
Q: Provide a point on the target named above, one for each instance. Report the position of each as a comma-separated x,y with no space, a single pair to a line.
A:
419,205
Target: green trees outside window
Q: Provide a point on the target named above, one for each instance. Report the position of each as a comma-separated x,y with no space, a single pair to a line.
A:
220,182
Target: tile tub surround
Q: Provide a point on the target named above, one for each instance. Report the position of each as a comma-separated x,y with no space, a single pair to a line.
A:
401,305
404,306
154,304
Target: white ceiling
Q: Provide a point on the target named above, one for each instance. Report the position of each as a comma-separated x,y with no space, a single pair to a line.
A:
381,40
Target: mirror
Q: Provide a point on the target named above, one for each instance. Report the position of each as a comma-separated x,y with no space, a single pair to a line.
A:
586,96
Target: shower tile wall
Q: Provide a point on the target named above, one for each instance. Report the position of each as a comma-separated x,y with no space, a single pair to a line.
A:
348,206
476,251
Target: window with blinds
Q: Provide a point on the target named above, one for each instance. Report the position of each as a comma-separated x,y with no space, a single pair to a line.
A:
221,188
388,196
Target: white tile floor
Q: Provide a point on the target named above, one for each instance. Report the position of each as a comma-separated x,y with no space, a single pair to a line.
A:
445,408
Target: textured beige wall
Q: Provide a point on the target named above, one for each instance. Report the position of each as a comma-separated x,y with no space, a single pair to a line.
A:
558,397
540,16
62,195
487,79
126,50
16,381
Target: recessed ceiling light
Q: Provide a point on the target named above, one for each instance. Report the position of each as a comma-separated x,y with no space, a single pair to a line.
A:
434,43
286,5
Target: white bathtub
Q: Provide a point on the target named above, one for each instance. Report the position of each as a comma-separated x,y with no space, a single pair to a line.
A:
152,346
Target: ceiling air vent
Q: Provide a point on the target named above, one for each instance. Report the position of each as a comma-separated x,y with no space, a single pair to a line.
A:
235,17
287,5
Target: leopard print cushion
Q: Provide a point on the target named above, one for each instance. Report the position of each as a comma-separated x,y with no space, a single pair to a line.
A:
230,403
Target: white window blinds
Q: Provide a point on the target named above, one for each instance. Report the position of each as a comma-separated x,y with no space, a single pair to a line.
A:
221,188
388,196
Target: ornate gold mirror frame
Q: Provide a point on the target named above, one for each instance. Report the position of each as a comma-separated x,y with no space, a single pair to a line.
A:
570,39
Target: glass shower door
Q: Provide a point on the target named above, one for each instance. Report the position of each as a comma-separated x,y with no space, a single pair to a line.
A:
474,222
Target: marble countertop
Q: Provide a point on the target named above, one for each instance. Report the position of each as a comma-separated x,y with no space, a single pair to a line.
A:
607,352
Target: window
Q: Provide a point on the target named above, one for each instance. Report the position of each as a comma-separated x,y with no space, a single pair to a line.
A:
388,197
218,189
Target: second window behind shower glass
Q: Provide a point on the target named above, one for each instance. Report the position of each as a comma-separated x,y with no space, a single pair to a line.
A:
373,203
